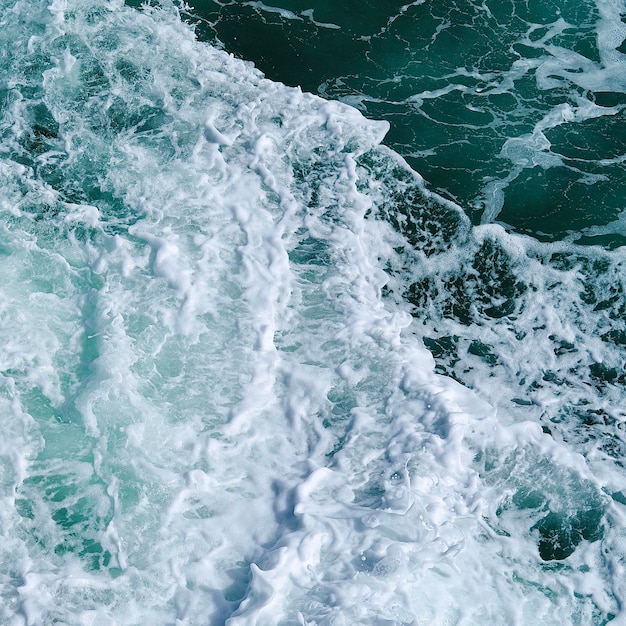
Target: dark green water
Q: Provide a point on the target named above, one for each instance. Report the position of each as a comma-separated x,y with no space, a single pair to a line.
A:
514,110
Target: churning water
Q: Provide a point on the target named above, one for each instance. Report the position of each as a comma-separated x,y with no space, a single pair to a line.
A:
254,370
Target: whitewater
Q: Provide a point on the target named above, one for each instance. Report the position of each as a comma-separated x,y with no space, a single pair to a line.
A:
217,401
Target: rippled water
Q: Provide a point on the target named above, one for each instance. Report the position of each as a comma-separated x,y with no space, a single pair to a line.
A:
515,110
256,370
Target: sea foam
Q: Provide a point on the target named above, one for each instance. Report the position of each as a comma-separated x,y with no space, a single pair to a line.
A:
215,408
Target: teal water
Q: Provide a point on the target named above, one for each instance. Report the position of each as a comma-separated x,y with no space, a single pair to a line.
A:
516,113
514,110
266,361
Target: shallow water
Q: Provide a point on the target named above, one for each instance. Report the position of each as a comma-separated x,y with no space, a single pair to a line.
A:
255,371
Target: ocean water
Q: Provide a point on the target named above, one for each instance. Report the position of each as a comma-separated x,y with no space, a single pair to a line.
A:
340,345
513,110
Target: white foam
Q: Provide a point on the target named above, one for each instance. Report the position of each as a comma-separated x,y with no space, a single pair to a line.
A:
212,415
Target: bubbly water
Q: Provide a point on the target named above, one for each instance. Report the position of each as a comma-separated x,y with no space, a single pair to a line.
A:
256,371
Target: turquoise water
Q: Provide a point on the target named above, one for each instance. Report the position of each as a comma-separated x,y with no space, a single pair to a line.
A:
266,360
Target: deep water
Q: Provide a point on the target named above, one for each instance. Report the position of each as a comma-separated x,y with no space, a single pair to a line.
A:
271,358
514,110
